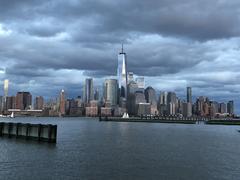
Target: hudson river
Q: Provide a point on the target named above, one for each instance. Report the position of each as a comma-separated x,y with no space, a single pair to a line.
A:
92,150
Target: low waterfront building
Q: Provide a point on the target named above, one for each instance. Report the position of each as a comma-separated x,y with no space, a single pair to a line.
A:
92,110
106,111
143,109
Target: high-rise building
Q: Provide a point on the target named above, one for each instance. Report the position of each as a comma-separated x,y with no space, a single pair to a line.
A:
214,106
189,95
96,95
122,74
23,100
130,77
141,82
111,91
223,108
1,104
6,84
171,97
230,107
171,103
151,98
88,94
62,103
39,102
5,88
132,88
10,102
162,105
140,97
187,109
163,98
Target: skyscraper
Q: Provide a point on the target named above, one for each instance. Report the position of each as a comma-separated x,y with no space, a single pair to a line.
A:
6,83
96,95
23,100
5,87
189,94
151,98
62,103
88,93
111,91
130,77
141,82
163,98
230,107
10,102
223,108
122,74
39,101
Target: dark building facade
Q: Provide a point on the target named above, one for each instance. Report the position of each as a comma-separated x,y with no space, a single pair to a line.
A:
39,102
23,100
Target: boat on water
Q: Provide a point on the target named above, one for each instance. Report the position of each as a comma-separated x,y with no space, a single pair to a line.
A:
125,116
7,116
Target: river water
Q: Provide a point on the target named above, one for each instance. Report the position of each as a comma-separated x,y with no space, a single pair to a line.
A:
89,149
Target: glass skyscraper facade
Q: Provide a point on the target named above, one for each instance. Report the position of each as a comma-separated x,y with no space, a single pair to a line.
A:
111,91
88,93
122,74
189,94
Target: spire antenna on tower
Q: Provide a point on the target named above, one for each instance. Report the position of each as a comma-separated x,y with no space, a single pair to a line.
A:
122,47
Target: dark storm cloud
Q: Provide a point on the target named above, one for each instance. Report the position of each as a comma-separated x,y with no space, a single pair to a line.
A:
194,19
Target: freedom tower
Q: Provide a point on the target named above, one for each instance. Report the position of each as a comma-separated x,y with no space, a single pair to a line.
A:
122,75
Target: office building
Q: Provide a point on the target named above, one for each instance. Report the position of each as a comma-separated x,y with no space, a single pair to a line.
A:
132,89
39,102
122,74
163,98
96,95
92,109
88,91
111,91
143,109
62,103
223,108
130,77
189,95
141,82
230,107
187,109
151,98
6,86
10,102
23,100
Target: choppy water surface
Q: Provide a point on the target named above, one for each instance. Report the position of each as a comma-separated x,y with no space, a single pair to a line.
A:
88,149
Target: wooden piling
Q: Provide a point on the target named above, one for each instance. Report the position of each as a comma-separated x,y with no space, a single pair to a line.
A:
28,131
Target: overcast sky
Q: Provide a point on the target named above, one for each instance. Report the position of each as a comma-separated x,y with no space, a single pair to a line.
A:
47,45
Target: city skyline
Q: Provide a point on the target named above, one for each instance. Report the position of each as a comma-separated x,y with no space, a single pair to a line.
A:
198,50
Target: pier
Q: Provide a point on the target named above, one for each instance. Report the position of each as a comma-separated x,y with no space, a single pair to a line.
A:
173,119
38,132
152,119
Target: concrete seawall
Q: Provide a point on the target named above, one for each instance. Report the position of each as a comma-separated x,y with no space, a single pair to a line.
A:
38,132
